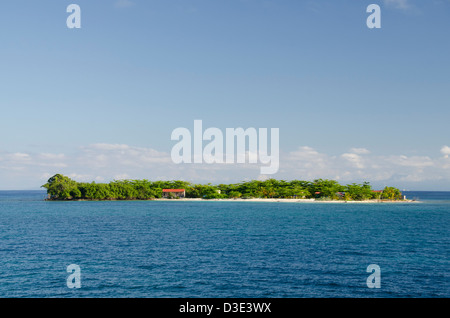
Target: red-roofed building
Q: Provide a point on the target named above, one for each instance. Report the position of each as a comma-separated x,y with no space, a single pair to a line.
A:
177,193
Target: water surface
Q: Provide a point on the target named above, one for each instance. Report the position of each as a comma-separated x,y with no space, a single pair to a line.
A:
223,249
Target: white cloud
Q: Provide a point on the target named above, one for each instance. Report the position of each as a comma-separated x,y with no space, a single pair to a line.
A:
308,163
355,159
414,161
122,176
19,156
101,146
106,162
80,177
51,156
308,157
360,151
445,150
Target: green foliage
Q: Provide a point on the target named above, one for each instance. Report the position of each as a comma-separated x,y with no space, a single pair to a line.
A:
234,194
390,193
326,188
60,187
359,192
208,191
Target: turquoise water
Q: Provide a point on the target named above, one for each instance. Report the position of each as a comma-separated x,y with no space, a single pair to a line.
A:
223,249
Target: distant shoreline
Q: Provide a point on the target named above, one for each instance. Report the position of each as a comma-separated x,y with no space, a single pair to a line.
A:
60,187
290,200
251,200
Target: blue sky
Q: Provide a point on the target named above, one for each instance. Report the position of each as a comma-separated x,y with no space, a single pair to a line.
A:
100,102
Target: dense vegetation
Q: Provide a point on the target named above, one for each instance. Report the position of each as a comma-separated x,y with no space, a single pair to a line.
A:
60,187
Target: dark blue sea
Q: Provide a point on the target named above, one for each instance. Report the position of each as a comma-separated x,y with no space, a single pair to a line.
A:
158,249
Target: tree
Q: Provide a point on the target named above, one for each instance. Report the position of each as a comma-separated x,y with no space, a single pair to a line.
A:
325,188
60,187
234,194
391,193
358,192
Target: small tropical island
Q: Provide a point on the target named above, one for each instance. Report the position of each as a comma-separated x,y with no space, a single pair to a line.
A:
62,188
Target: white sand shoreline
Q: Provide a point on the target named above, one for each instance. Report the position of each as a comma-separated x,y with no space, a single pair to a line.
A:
283,200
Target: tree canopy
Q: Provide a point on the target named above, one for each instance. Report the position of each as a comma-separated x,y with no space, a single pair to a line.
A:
61,187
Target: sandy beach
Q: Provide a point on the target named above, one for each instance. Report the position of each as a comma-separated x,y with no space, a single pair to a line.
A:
286,200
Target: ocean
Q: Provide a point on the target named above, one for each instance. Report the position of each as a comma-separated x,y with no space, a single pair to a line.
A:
154,249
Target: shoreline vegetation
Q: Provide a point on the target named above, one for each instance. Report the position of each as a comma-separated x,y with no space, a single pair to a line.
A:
62,188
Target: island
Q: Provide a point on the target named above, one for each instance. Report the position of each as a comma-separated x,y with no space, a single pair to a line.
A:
62,188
